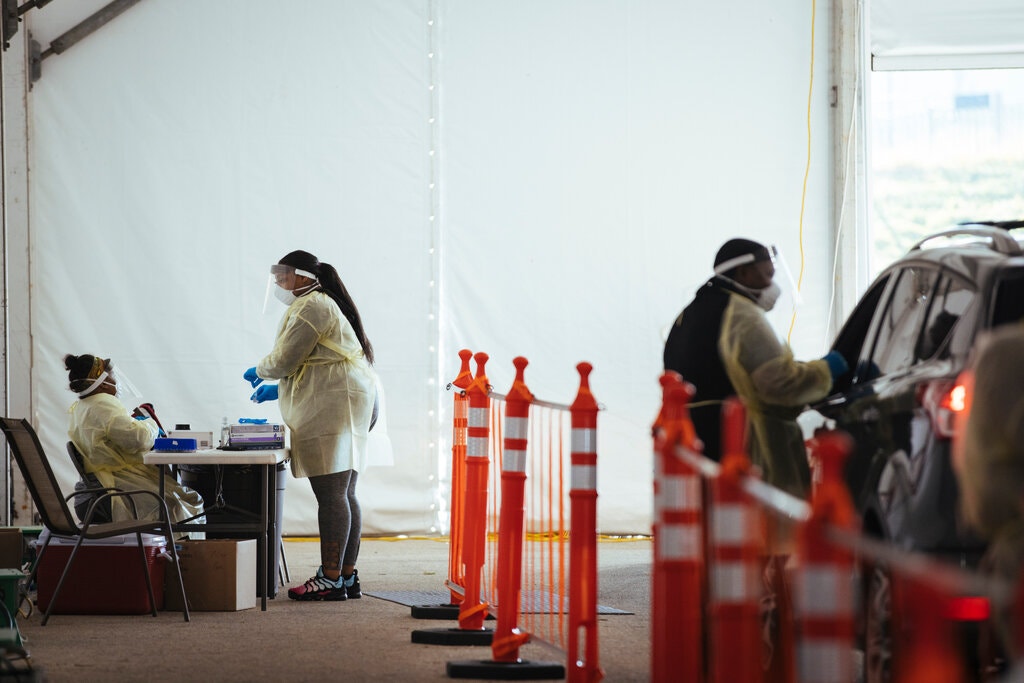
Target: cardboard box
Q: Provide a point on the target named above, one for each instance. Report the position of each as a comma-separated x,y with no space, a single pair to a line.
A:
217,573
12,548
106,578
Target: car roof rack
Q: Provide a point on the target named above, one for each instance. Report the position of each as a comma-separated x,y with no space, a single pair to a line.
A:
999,238
1005,225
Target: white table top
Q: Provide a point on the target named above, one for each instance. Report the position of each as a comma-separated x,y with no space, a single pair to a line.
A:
214,456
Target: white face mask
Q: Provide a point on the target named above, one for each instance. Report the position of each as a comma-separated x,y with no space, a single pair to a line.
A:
767,297
284,296
287,297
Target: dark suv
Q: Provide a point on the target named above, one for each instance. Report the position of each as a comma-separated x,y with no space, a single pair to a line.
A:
906,341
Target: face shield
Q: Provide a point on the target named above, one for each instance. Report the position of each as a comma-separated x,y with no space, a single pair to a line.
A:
790,284
124,388
779,264
127,391
282,284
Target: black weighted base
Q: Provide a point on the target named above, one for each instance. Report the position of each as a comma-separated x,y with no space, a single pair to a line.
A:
435,611
446,611
453,636
506,671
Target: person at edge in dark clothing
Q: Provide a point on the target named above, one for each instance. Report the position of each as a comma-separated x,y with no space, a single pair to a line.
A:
692,346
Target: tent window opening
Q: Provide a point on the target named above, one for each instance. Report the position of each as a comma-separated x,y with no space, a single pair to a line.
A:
946,147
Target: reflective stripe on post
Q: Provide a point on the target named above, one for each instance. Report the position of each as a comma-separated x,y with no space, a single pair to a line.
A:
680,499
583,478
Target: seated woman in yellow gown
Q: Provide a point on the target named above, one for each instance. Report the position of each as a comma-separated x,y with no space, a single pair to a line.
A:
112,442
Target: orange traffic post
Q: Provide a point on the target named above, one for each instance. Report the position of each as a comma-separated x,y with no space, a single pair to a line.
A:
677,602
472,611
583,651
824,590
508,637
457,495
733,566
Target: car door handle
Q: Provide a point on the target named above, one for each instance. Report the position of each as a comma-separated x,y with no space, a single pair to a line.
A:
833,401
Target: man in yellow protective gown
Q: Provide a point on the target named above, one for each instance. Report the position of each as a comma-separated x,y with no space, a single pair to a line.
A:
773,386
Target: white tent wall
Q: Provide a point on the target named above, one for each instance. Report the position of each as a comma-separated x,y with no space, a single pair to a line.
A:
594,157
185,147
588,160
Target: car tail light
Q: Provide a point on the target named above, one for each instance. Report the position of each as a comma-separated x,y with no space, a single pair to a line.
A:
968,608
944,400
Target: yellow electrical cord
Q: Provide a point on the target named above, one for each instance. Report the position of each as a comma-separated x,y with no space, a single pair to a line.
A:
807,171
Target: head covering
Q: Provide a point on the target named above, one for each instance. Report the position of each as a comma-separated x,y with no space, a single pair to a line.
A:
85,371
302,260
738,252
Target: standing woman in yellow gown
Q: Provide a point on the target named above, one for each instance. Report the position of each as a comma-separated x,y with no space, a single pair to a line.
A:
327,389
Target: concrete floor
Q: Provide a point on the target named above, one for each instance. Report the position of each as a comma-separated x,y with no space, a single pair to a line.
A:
356,640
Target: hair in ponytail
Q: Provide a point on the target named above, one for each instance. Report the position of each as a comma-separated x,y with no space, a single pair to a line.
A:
332,285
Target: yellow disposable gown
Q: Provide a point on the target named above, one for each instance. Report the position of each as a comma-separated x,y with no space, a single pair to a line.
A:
326,388
112,443
774,388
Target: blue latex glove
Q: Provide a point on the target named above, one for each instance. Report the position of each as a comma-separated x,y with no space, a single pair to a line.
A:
837,365
159,431
868,369
267,392
252,378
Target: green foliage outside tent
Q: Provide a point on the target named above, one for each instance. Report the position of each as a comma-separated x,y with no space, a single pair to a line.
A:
910,201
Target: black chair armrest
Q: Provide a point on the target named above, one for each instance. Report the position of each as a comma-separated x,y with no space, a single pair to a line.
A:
91,489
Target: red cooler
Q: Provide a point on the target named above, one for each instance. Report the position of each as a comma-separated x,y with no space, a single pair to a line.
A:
106,578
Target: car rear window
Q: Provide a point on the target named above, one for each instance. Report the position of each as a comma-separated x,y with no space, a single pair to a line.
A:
850,341
896,346
1009,299
952,299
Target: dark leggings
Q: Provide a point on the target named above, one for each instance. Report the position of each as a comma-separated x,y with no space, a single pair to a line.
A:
339,517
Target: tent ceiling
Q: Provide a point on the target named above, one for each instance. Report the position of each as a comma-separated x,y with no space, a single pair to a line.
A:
946,34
